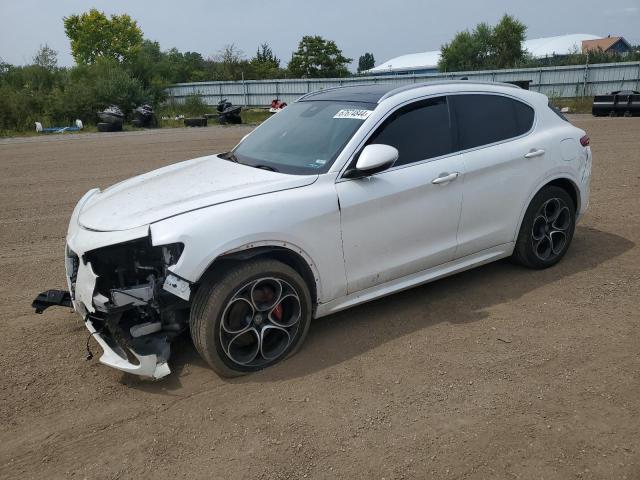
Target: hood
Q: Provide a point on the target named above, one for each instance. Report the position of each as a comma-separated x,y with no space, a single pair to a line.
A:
180,188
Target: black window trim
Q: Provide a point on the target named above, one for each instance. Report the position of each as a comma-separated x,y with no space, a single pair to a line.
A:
350,163
354,156
499,142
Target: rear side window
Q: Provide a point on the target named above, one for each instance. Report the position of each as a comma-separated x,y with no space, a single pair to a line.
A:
485,119
419,131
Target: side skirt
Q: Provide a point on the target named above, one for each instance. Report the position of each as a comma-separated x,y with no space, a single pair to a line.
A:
425,276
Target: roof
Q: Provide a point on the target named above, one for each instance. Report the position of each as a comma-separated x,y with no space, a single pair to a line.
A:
559,45
376,93
603,44
414,61
537,47
351,93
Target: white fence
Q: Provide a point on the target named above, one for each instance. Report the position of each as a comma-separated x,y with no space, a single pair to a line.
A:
567,81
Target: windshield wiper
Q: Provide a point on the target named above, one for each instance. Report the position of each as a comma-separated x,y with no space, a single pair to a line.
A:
230,156
266,167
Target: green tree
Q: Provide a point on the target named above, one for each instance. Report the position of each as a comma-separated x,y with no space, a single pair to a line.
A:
93,35
46,57
229,63
265,64
485,47
507,39
317,58
366,62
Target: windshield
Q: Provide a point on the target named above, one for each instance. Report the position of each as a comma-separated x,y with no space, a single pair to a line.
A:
304,138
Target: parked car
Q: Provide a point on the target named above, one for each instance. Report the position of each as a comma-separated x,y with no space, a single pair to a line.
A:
345,196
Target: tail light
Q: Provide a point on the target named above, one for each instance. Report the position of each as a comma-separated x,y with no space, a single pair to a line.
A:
584,141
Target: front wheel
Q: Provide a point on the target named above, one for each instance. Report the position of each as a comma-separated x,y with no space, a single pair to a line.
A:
547,229
250,316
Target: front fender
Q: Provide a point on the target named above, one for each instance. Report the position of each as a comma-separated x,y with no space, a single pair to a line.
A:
304,220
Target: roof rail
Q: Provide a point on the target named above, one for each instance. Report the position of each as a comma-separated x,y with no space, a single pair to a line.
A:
411,86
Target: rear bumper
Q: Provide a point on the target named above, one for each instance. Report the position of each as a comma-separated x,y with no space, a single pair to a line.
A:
114,356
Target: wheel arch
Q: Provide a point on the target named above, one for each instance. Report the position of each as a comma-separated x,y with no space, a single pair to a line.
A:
562,181
284,252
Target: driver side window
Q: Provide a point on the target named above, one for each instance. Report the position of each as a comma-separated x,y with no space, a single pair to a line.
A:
420,131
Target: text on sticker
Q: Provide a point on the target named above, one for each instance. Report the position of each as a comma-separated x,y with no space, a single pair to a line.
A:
353,113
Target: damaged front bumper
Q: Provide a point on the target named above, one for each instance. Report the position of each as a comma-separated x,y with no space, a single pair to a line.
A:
131,302
152,365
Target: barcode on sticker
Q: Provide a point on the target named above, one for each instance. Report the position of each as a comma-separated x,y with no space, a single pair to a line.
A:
353,113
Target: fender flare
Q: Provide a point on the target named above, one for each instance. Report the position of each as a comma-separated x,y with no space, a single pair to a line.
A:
265,245
539,186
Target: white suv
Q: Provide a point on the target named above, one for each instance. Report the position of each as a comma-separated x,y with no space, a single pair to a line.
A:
345,196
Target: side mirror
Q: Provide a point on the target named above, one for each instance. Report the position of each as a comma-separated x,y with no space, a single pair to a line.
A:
373,159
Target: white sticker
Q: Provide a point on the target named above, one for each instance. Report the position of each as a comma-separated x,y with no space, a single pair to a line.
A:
353,113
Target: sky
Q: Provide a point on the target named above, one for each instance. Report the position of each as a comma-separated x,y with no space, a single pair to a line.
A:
385,28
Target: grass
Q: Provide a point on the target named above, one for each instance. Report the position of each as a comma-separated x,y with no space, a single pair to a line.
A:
250,116
576,104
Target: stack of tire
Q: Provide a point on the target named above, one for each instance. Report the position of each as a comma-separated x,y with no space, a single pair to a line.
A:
621,103
228,113
111,119
144,117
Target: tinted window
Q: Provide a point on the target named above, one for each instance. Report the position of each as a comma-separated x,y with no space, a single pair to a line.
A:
419,131
484,119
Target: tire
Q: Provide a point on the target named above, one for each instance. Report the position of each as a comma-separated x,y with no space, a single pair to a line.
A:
137,123
195,122
109,127
547,229
229,317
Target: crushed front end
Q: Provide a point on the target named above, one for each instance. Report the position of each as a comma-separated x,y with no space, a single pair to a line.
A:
121,290
131,303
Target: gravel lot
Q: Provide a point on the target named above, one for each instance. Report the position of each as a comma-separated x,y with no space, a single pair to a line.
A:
499,372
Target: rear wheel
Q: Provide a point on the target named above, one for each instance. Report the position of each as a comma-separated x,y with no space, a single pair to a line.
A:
547,229
250,316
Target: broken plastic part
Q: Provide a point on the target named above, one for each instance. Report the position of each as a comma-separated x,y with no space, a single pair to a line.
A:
146,328
51,298
154,366
177,286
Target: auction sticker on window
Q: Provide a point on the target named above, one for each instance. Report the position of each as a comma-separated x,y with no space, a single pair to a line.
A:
353,113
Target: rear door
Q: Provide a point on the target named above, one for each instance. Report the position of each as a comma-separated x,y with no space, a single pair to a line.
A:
502,155
398,222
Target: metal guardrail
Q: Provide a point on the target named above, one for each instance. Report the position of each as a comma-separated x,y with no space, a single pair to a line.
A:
559,82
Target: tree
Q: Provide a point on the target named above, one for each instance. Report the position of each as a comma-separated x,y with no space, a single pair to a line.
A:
265,64
46,57
485,47
93,35
366,62
230,63
507,39
317,58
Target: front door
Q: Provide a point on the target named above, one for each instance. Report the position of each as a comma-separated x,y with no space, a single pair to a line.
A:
405,219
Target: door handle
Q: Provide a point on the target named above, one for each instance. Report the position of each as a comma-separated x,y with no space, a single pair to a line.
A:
445,178
534,153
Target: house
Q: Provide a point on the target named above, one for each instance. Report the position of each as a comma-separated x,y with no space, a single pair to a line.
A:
609,44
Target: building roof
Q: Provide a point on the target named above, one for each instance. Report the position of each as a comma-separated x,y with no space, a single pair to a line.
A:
537,47
411,61
603,44
558,45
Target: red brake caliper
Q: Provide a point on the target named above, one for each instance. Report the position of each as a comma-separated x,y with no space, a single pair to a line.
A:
277,312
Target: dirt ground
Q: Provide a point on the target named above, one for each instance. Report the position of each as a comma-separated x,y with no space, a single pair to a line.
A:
499,372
